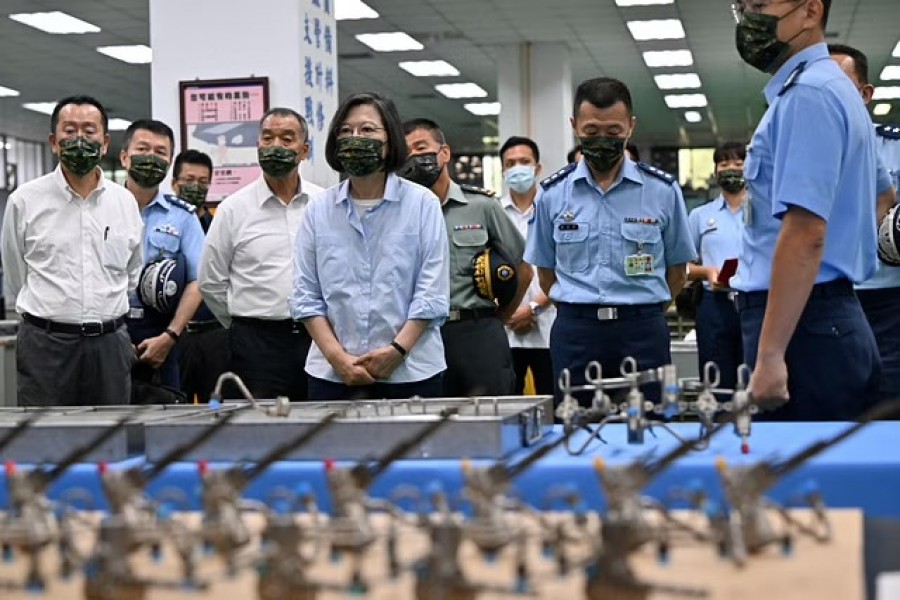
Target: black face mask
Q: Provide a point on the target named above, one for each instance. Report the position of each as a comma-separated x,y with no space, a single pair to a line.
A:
602,152
756,39
422,169
731,180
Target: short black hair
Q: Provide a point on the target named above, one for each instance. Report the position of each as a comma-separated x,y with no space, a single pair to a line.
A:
570,157
280,111
634,151
860,60
518,140
428,125
151,125
397,150
730,151
191,157
78,100
602,92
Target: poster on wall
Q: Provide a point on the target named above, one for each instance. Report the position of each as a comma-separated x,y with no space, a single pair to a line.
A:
221,118
318,60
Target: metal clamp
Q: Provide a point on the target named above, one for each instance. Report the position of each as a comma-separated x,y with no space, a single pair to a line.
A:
607,313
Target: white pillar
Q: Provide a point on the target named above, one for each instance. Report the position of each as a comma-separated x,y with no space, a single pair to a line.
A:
292,42
534,87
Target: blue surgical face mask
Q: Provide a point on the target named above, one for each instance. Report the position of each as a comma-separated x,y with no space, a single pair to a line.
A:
520,178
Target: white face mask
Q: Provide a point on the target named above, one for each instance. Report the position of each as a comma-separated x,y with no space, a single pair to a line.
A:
520,178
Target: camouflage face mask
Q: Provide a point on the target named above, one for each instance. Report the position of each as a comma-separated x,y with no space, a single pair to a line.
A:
80,155
276,162
147,170
756,39
360,156
731,180
602,152
194,193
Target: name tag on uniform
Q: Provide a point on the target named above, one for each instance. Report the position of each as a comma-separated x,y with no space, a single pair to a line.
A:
639,265
568,226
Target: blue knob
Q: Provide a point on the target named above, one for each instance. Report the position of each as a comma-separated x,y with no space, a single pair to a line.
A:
214,405
633,412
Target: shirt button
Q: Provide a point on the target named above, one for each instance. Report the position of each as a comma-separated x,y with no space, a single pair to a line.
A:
568,236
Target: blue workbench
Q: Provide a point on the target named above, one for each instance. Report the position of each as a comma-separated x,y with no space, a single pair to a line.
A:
862,472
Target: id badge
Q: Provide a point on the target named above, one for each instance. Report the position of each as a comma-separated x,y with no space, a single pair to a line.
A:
638,265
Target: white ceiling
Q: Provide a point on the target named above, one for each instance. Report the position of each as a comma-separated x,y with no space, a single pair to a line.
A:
466,33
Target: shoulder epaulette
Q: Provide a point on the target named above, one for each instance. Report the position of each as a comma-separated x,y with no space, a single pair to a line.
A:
474,189
791,80
658,173
890,132
176,201
558,176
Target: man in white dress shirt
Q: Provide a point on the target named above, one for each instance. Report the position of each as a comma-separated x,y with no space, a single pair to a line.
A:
528,328
246,271
71,246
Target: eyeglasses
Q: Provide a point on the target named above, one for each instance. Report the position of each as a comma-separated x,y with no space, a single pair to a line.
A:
366,130
752,6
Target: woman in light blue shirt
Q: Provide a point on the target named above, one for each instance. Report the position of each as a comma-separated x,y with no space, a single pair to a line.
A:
371,276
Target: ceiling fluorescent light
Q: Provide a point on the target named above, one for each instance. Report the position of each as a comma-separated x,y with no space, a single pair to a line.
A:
643,2
885,92
685,100
461,90
395,41
890,73
118,124
657,29
896,52
483,109
55,22
668,58
6,92
351,10
136,55
45,108
678,81
693,116
881,109
429,68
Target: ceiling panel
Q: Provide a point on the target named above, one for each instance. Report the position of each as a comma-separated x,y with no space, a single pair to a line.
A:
466,33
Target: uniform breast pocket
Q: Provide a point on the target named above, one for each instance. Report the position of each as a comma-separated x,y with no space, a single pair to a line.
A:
116,251
163,244
466,244
751,166
572,246
642,238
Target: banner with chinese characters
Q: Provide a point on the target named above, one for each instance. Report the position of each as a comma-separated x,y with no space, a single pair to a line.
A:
319,99
221,118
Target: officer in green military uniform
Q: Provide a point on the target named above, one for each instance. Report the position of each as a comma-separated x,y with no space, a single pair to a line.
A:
487,275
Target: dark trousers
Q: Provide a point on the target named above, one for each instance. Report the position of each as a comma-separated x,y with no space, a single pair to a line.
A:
719,336
64,369
270,357
322,389
832,359
479,362
882,310
578,337
538,359
161,385
203,355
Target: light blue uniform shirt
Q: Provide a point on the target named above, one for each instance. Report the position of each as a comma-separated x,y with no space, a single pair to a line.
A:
888,139
370,274
170,229
815,149
585,234
716,233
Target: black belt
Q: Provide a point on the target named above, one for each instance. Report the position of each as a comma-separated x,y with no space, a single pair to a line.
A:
470,314
201,326
281,325
84,329
607,312
820,291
